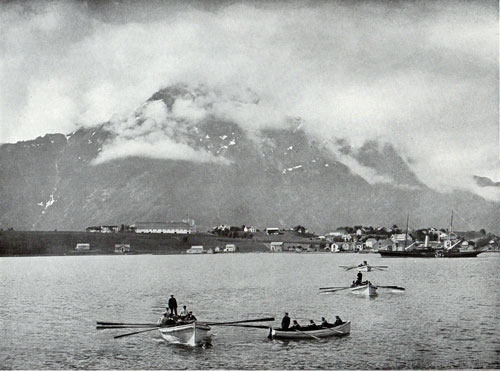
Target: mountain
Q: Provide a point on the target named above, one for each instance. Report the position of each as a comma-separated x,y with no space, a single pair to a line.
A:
272,177
485,181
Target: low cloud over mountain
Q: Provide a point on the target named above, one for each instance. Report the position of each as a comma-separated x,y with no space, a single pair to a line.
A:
186,150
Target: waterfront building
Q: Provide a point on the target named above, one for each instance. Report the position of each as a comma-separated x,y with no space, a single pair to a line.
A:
174,227
276,246
272,230
122,248
230,248
195,250
82,247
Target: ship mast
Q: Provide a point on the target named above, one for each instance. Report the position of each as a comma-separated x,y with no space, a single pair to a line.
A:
406,235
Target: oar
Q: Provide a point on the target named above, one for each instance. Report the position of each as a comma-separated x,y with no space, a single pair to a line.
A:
124,324
133,333
249,326
303,332
332,287
119,327
243,321
393,287
334,290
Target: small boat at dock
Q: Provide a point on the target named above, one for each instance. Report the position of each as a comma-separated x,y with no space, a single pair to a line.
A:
193,334
305,334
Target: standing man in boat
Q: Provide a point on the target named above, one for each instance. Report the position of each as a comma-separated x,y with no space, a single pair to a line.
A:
285,322
359,280
172,305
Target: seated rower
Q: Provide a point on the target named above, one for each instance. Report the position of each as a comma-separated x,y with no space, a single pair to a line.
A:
325,323
166,320
296,325
312,325
190,317
184,312
338,321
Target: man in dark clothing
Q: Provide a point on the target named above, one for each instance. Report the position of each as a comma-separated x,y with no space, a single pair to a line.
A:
360,279
172,305
285,322
338,321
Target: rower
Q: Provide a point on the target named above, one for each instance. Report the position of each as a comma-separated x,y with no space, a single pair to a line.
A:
296,325
338,321
184,312
190,317
166,319
324,322
285,322
312,325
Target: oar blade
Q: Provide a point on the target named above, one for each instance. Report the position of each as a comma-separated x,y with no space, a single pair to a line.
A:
133,333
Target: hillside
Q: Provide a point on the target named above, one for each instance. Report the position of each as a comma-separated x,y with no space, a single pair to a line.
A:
277,178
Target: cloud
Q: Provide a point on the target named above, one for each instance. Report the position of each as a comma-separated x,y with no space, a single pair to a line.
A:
150,132
422,76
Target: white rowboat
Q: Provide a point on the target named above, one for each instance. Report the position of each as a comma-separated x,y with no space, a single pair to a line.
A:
192,334
366,289
325,332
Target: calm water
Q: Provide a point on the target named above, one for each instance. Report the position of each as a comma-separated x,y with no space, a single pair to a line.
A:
447,318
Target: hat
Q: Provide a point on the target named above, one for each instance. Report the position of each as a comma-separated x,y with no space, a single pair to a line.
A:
172,295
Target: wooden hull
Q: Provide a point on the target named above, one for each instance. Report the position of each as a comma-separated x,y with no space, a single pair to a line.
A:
364,268
367,290
192,334
429,253
340,330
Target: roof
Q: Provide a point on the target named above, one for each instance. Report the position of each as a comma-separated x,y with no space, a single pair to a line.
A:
169,225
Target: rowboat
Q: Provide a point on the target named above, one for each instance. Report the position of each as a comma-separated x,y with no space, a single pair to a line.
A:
323,332
365,289
192,334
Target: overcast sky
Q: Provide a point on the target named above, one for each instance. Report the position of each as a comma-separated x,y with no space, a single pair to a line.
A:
422,76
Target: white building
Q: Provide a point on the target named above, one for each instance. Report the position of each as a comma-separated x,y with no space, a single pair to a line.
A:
272,230
183,227
230,248
195,250
122,248
276,246
82,247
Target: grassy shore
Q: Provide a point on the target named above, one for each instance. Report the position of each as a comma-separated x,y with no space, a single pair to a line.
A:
28,243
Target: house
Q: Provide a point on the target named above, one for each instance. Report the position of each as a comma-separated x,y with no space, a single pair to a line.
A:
182,227
346,237
293,246
401,238
371,243
276,246
82,247
230,248
217,249
195,250
272,230
358,246
335,247
122,248
249,229
109,228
